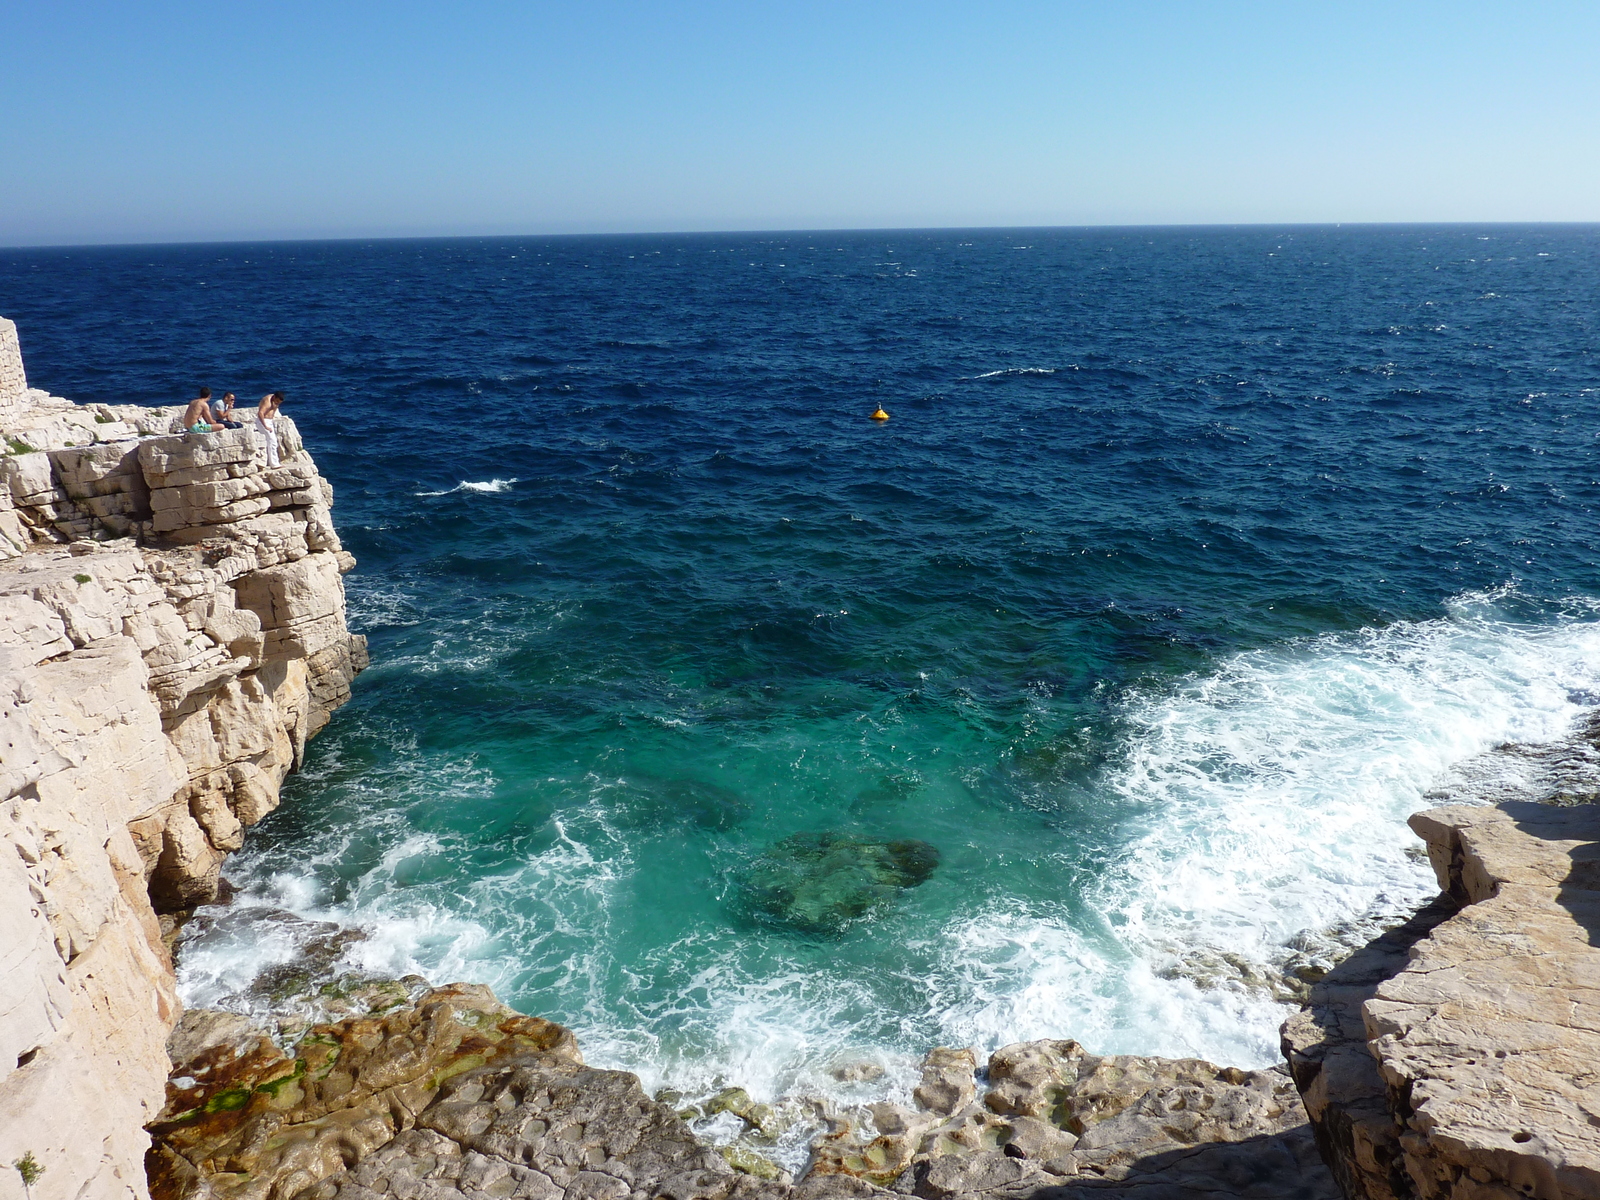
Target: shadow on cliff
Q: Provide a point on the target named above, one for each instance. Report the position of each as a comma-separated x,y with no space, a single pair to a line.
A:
1325,1046
1338,996
1282,1166
1579,890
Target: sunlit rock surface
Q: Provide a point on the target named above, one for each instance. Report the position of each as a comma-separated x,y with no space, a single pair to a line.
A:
171,632
1456,1057
450,1094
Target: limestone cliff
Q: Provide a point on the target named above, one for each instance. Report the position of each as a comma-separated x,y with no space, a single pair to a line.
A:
1458,1057
171,632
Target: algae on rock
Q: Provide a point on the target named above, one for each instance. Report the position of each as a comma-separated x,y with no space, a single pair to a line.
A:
821,882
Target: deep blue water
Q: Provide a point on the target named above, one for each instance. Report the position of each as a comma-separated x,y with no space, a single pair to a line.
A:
1187,561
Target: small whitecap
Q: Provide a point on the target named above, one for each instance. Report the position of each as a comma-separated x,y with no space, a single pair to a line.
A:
1017,371
486,485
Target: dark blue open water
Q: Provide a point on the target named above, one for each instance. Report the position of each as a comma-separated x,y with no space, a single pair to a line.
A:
1188,560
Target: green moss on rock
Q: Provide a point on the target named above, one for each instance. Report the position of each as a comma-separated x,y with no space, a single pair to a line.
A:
822,882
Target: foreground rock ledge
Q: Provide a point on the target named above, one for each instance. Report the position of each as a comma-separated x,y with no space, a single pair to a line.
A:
454,1095
172,630
1459,1056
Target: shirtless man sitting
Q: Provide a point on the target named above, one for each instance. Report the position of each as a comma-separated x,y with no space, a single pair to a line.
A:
197,417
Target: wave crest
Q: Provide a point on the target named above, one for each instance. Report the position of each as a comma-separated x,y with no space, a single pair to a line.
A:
486,485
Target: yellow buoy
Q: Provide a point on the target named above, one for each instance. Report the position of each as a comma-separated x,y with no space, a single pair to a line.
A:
880,415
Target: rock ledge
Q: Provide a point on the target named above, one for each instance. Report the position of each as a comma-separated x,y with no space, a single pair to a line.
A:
1459,1056
452,1095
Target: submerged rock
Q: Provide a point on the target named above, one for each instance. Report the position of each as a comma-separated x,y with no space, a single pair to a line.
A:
733,1099
748,1162
761,1118
654,802
821,882
316,983
857,1070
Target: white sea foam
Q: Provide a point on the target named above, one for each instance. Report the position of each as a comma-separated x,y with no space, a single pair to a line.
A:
486,485
1270,796
1262,798
1017,371
368,606
1275,790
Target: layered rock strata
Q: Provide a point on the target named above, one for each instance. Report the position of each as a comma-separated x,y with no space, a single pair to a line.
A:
1459,1057
450,1094
171,632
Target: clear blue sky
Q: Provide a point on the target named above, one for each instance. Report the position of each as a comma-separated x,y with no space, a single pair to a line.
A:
167,121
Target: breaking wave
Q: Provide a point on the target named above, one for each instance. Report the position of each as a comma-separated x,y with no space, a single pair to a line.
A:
486,485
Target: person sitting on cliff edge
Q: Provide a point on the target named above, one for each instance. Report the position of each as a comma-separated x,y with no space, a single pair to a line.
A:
222,414
197,417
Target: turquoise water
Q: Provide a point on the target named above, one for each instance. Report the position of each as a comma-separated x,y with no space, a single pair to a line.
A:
1187,562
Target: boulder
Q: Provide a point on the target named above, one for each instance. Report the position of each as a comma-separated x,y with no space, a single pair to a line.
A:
948,1081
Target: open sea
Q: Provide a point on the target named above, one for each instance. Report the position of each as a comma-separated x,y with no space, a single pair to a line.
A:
1188,561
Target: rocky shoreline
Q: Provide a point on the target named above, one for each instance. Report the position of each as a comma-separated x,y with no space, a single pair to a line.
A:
1451,1057
452,1094
172,632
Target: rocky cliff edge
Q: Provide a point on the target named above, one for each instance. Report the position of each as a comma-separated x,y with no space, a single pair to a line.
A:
1458,1056
172,631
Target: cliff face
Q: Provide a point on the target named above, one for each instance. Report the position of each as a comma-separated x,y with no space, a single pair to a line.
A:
171,632
1459,1056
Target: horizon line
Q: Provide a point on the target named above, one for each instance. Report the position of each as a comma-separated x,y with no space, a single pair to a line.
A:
798,230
